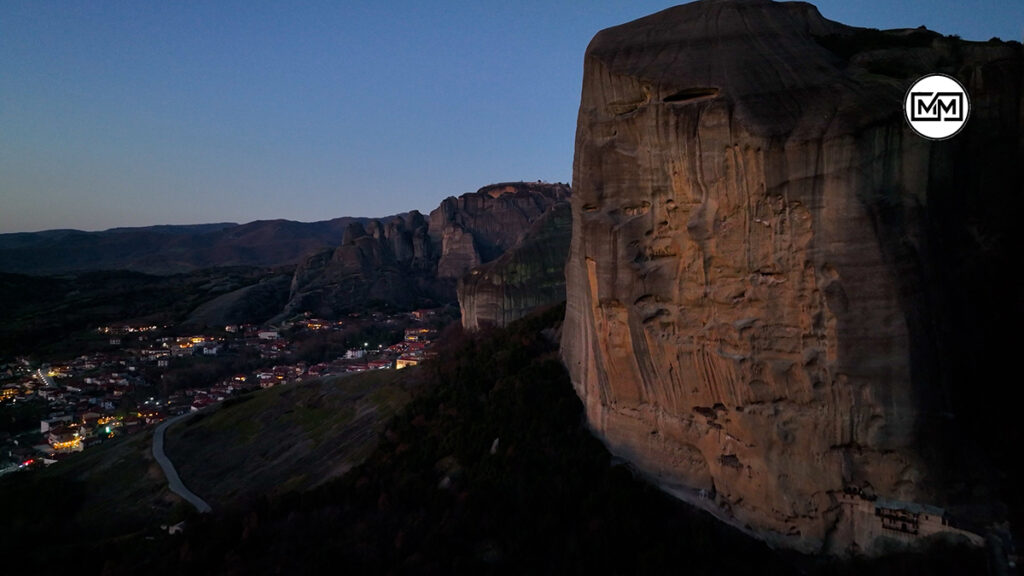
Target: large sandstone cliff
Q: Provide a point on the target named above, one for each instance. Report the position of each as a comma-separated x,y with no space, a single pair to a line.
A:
777,291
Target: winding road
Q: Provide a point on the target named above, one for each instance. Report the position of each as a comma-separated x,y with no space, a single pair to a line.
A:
173,480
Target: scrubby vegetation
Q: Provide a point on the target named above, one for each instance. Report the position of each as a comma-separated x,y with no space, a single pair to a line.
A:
290,437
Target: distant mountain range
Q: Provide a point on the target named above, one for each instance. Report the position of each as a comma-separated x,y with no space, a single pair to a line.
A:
169,249
514,233
331,267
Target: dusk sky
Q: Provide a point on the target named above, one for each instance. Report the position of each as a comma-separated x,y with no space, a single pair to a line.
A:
133,113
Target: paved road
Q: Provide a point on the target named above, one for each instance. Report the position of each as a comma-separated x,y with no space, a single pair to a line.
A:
173,480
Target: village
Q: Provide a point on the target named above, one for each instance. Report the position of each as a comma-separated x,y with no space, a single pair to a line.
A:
49,410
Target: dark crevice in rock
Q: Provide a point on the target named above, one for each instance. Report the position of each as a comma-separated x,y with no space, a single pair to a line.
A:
690,95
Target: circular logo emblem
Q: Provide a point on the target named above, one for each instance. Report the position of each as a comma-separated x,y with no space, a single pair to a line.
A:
937,106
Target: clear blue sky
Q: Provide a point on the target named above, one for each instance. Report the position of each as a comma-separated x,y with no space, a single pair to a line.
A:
133,113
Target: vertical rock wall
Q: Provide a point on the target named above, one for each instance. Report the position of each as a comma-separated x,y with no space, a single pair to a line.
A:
756,274
528,276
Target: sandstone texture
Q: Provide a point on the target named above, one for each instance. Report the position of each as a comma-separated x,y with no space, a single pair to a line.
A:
528,276
410,261
776,290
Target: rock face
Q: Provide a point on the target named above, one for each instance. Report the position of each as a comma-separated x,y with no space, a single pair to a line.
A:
410,261
776,290
477,228
388,261
528,276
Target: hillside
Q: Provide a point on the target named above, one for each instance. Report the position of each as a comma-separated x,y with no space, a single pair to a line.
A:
292,437
109,497
168,249
102,509
50,314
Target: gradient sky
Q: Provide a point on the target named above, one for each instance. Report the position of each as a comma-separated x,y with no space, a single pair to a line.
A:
134,113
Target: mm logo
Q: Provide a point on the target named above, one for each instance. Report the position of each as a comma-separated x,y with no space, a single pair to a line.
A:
936,106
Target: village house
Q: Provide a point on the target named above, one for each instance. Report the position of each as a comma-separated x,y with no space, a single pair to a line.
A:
64,440
419,334
421,314
9,391
406,360
201,402
318,369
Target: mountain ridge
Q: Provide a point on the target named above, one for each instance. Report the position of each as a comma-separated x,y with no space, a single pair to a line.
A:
168,249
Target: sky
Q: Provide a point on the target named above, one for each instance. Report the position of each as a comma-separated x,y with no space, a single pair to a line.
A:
135,113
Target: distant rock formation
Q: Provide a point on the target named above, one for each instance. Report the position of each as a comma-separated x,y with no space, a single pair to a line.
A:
477,228
388,262
410,261
528,276
776,290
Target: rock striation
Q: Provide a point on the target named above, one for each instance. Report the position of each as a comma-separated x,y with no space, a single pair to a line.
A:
777,292
528,276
